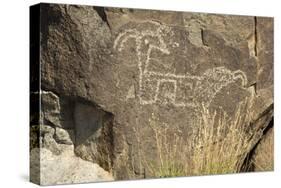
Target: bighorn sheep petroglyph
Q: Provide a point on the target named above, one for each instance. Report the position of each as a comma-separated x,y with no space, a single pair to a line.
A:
181,90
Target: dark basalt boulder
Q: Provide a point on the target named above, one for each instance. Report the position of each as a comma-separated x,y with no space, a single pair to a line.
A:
142,86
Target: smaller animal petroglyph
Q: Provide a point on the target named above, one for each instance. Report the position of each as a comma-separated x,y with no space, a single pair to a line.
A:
181,90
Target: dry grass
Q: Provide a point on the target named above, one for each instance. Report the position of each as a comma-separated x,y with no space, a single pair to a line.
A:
217,146
221,143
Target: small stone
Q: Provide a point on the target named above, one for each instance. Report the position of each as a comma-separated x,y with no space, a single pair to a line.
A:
48,142
51,107
63,136
46,129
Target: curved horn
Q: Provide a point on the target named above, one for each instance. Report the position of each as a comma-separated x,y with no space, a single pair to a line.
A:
240,75
123,37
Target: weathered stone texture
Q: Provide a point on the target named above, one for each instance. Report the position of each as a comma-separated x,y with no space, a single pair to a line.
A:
119,73
263,156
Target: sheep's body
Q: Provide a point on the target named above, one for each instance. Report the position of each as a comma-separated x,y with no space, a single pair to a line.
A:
170,88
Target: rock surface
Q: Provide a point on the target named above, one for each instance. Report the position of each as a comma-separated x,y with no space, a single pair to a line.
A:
263,156
64,136
51,108
65,168
124,78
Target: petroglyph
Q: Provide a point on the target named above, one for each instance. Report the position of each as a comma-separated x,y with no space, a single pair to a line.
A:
181,90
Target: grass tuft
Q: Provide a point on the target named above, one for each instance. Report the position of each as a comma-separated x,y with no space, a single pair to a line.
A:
218,145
